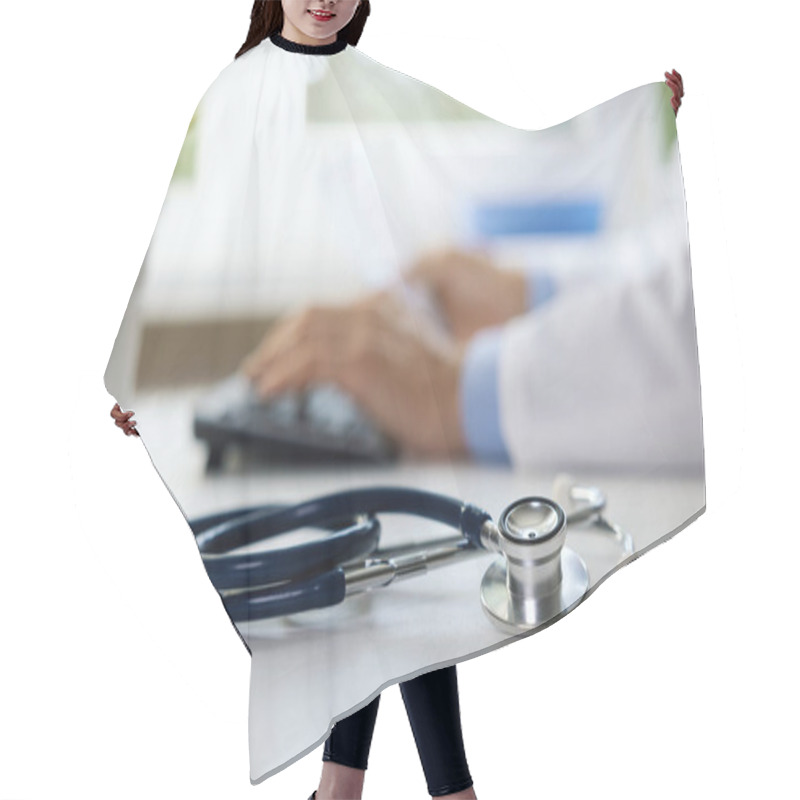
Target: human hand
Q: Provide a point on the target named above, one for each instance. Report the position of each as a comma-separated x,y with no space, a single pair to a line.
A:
123,419
471,291
395,364
675,82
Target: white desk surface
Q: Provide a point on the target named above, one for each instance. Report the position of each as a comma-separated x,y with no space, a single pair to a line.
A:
311,669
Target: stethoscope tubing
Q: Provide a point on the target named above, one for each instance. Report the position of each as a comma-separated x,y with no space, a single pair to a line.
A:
312,574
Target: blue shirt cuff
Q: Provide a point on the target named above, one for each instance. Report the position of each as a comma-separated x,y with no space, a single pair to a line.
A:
480,397
541,287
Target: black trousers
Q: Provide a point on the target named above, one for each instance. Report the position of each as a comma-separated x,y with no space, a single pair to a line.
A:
432,706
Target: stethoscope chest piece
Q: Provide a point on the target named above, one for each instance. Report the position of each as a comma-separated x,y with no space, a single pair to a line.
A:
537,579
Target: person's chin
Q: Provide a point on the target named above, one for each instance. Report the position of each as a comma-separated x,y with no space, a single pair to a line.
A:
318,34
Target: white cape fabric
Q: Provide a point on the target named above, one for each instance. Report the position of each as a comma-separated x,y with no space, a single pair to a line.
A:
310,179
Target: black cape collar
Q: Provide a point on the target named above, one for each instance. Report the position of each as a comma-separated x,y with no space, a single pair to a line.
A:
308,49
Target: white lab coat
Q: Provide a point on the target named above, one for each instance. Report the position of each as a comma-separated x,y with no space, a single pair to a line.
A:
606,376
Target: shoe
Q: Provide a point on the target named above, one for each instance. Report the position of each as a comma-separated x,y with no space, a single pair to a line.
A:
313,795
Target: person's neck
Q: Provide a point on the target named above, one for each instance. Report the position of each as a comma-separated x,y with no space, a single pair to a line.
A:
294,34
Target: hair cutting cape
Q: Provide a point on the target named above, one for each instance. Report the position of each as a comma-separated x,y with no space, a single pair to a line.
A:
313,177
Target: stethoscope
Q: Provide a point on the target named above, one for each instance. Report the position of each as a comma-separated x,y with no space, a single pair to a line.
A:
536,579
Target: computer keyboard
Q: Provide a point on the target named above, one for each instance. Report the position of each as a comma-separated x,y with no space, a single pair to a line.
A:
320,424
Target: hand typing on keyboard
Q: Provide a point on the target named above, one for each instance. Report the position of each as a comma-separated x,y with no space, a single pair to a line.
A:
378,357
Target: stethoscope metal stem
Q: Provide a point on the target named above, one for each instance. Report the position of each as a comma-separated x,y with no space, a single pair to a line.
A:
377,573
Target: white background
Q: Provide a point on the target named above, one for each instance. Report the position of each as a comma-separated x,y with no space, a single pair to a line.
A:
121,677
